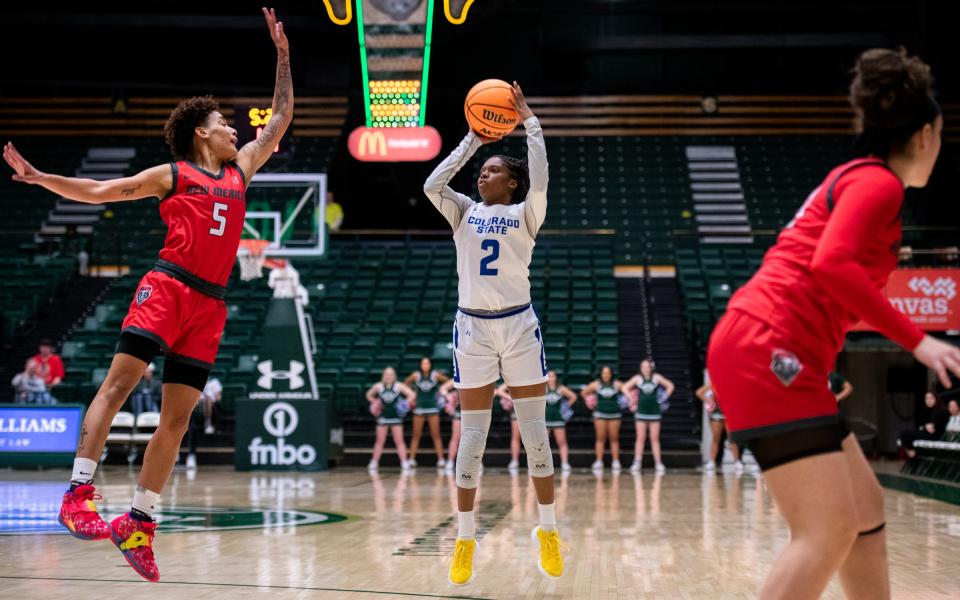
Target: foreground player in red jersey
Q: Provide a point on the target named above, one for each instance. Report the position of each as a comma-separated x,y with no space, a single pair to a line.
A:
178,308
770,355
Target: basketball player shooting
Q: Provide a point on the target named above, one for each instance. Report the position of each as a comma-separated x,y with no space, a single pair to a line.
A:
496,331
179,307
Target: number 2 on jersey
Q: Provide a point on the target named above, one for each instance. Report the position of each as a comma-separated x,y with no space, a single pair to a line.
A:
494,247
219,207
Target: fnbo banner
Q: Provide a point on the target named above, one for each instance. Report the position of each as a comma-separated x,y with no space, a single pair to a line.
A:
927,296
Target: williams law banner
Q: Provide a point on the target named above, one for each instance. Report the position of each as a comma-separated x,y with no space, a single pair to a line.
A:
927,296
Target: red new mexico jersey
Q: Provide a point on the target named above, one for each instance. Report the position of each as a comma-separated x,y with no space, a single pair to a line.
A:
204,217
831,262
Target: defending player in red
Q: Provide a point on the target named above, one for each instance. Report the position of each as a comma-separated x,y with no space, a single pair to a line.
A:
771,354
178,308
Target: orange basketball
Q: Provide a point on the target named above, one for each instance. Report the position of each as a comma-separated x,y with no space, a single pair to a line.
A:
489,109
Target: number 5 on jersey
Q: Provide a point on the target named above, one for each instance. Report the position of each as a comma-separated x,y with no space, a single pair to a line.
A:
485,263
219,208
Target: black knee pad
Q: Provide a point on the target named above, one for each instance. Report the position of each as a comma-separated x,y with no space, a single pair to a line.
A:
175,371
138,346
876,529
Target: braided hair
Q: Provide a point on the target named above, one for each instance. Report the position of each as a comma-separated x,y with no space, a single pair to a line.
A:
517,167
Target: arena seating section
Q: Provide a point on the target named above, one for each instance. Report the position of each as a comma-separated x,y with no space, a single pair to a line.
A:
29,283
633,185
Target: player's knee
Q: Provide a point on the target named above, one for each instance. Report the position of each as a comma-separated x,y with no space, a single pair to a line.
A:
175,422
117,388
533,431
473,441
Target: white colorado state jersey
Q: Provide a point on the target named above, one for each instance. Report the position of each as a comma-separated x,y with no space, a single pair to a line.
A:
494,242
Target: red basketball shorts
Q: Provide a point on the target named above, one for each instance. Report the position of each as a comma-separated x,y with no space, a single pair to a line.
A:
186,323
764,383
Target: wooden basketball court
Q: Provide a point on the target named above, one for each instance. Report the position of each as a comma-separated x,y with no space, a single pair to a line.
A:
349,534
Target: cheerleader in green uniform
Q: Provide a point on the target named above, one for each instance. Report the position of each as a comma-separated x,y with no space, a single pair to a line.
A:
426,383
560,401
718,422
452,408
602,397
384,398
646,407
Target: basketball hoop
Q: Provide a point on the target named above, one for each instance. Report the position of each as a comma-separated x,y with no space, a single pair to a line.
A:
251,262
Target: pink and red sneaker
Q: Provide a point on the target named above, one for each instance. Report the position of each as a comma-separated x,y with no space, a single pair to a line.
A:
135,540
79,515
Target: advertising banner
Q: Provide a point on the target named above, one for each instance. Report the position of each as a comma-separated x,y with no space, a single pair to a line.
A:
927,296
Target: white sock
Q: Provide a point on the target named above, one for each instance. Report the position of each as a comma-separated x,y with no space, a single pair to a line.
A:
548,517
145,501
83,470
466,529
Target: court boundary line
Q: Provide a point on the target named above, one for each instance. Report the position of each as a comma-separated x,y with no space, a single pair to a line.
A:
943,491
245,585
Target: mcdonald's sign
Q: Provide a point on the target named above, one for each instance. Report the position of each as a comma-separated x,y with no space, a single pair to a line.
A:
400,144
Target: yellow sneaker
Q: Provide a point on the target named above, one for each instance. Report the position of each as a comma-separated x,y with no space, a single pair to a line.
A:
550,562
461,569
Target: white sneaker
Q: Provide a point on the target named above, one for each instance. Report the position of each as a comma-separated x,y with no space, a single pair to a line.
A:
412,463
450,466
709,466
661,469
191,461
565,467
635,466
209,430
738,467
615,465
441,463
514,465
372,466
597,465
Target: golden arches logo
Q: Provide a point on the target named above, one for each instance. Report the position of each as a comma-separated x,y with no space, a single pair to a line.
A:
372,142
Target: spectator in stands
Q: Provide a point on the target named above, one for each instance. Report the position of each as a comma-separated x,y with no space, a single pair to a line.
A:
202,413
334,214
146,396
839,386
931,423
952,433
212,394
49,365
29,387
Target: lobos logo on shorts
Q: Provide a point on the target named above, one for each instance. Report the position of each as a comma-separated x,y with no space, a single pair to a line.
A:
786,366
143,293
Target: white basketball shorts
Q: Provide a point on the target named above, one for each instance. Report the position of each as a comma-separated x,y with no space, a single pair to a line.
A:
488,346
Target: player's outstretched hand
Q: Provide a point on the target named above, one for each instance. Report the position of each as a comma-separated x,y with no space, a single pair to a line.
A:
276,30
24,171
520,103
940,356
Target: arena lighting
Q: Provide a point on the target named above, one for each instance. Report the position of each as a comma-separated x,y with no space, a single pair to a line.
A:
395,102
709,105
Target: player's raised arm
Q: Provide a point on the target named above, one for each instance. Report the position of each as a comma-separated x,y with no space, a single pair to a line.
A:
536,202
155,181
451,204
255,154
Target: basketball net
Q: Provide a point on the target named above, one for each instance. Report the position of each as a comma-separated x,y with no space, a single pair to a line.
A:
251,262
